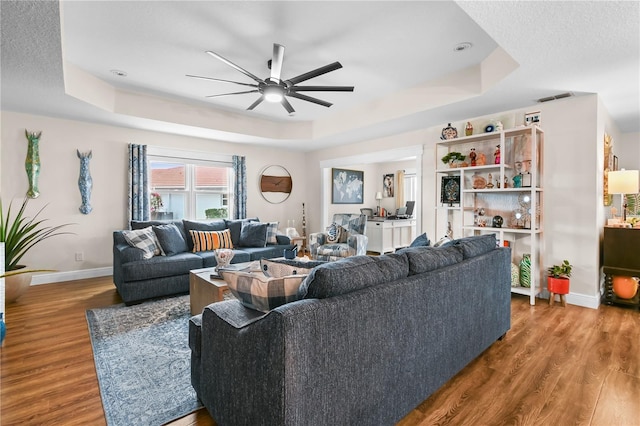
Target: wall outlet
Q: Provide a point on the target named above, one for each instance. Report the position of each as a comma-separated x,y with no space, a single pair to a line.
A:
79,256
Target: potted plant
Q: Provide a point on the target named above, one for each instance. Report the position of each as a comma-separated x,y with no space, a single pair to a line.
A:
558,279
19,234
452,158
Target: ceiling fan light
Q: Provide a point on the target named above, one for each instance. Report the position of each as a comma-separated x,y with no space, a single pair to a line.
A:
273,94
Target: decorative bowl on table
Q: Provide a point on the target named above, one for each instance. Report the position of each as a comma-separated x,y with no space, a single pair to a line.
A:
223,258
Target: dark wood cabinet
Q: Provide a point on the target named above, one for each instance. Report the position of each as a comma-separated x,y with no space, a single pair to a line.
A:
621,250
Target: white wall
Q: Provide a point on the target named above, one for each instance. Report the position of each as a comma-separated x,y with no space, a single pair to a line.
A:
93,232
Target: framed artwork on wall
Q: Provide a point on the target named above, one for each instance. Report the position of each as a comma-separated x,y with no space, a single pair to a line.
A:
388,185
347,186
450,190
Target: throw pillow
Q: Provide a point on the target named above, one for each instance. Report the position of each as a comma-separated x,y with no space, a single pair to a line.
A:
145,240
336,234
421,241
253,234
425,259
255,291
170,239
235,227
215,225
272,231
277,269
443,242
210,240
476,245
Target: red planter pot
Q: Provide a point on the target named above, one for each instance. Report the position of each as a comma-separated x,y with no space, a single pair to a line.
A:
558,285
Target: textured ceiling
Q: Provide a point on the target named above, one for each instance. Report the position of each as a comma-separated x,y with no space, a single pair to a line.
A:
396,54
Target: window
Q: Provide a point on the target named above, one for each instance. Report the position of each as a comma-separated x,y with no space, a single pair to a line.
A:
188,189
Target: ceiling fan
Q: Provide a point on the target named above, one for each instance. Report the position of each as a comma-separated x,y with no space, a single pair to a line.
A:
274,89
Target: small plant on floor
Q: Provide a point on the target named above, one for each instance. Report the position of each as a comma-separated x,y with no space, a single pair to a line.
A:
560,271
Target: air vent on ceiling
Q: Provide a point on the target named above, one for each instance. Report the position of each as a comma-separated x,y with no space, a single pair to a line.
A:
553,98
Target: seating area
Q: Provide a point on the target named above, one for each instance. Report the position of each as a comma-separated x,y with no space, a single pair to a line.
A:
344,238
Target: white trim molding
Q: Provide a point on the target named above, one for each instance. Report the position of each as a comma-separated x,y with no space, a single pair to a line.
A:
58,277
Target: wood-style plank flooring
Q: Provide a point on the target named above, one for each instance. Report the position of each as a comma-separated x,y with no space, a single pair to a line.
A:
557,366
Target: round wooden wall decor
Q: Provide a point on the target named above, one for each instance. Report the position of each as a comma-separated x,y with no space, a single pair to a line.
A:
275,184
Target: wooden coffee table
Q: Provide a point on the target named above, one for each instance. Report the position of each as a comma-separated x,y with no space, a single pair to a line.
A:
204,290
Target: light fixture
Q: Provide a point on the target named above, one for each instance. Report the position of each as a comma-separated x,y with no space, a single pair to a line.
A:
378,197
273,94
624,182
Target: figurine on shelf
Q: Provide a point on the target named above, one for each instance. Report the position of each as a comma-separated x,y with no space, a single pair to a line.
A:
482,160
496,155
490,181
468,131
472,156
499,126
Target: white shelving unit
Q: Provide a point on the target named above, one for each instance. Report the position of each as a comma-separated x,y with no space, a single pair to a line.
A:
519,207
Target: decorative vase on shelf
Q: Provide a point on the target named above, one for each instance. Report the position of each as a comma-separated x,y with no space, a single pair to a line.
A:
515,275
449,132
223,257
468,131
3,328
525,271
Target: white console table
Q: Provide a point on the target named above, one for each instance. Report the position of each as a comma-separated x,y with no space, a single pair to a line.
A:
388,235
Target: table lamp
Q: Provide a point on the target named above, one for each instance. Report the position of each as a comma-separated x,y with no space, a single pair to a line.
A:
624,182
378,197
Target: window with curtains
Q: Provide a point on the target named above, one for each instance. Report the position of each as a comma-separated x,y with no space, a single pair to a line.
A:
188,189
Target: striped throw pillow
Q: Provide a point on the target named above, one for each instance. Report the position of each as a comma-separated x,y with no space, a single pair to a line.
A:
210,240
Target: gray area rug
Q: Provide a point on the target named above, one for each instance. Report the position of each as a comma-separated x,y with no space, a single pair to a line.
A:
143,360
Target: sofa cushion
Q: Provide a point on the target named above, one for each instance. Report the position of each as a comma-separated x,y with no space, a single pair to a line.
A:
256,291
272,232
253,234
210,240
161,267
144,239
215,225
170,239
421,241
353,273
476,245
425,259
278,269
209,257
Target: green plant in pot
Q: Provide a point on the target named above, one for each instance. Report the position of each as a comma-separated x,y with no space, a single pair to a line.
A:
453,158
19,234
558,279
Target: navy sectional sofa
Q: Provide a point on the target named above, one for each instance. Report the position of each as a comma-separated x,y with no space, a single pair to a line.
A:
368,340
138,279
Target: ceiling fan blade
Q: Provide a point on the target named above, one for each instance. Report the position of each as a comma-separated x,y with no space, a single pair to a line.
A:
321,88
309,99
256,103
219,79
276,63
285,103
231,64
234,93
311,74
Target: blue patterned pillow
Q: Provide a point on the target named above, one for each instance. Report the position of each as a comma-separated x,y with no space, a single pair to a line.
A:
144,239
272,232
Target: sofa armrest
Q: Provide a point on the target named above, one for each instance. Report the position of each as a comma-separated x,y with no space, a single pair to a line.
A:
357,244
128,254
283,240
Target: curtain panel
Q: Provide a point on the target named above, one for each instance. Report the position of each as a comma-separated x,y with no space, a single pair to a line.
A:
240,187
138,183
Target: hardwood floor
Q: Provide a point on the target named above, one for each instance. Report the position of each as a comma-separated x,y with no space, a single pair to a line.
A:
557,366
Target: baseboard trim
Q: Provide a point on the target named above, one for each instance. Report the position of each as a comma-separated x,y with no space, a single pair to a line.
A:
58,277
592,302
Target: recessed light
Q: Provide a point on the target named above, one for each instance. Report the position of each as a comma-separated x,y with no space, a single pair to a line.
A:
462,46
119,73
